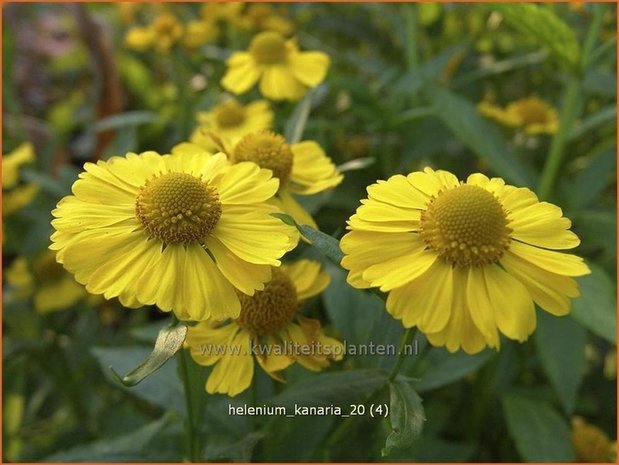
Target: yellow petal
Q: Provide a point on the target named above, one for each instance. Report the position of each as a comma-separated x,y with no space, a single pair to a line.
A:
555,262
543,225
242,73
513,307
309,67
279,83
234,372
289,205
426,301
398,192
481,305
58,295
246,277
307,278
246,183
208,342
312,170
549,290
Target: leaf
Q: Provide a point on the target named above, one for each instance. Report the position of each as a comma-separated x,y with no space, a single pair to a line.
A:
593,178
328,245
169,341
560,344
122,120
445,368
341,388
131,447
163,388
607,114
406,415
293,132
463,119
596,307
239,451
540,434
541,24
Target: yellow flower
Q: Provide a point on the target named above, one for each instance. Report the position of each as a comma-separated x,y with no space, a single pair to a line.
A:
198,33
12,163
140,38
302,168
229,12
181,232
462,261
591,443
167,31
284,72
532,114
264,17
48,282
17,198
128,10
230,121
270,328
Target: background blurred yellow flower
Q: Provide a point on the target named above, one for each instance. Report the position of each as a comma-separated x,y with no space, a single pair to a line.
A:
50,285
284,72
269,319
531,114
12,163
591,443
462,261
198,33
230,121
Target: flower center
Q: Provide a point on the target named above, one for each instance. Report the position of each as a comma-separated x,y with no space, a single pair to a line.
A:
178,208
268,47
533,111
466,226
268,150
230,114
270,310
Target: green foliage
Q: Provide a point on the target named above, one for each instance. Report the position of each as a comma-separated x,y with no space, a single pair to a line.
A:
406,416
540,434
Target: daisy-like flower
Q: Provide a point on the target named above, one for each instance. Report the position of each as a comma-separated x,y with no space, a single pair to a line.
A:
46,280
302,168
284,72
16,196
198,33
463,262
531,114
269,329
182,232
230,121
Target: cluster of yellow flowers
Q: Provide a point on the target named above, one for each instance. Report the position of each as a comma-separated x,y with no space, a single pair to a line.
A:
194,232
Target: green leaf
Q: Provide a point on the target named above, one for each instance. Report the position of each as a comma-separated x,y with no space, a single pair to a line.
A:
239,451
406,415
593,178
596,307
131,447
122,120
293,132
541,24
341,388
463,119
560,344
169,341
540,434
605,115
163,388
444,368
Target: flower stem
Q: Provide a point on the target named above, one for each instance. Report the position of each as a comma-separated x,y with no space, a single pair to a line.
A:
572,96
192,425
407,338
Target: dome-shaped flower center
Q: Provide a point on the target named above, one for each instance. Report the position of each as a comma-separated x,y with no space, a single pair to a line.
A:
270,310
178,208
532,111
230,114
268,48
268,150
466,226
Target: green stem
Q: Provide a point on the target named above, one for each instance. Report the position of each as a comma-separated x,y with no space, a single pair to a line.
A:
409,13
572,94
192,422
407,338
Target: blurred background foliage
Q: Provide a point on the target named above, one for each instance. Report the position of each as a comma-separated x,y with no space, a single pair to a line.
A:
82,82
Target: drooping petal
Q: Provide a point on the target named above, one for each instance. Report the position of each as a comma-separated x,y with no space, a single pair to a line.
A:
243,72
309,67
